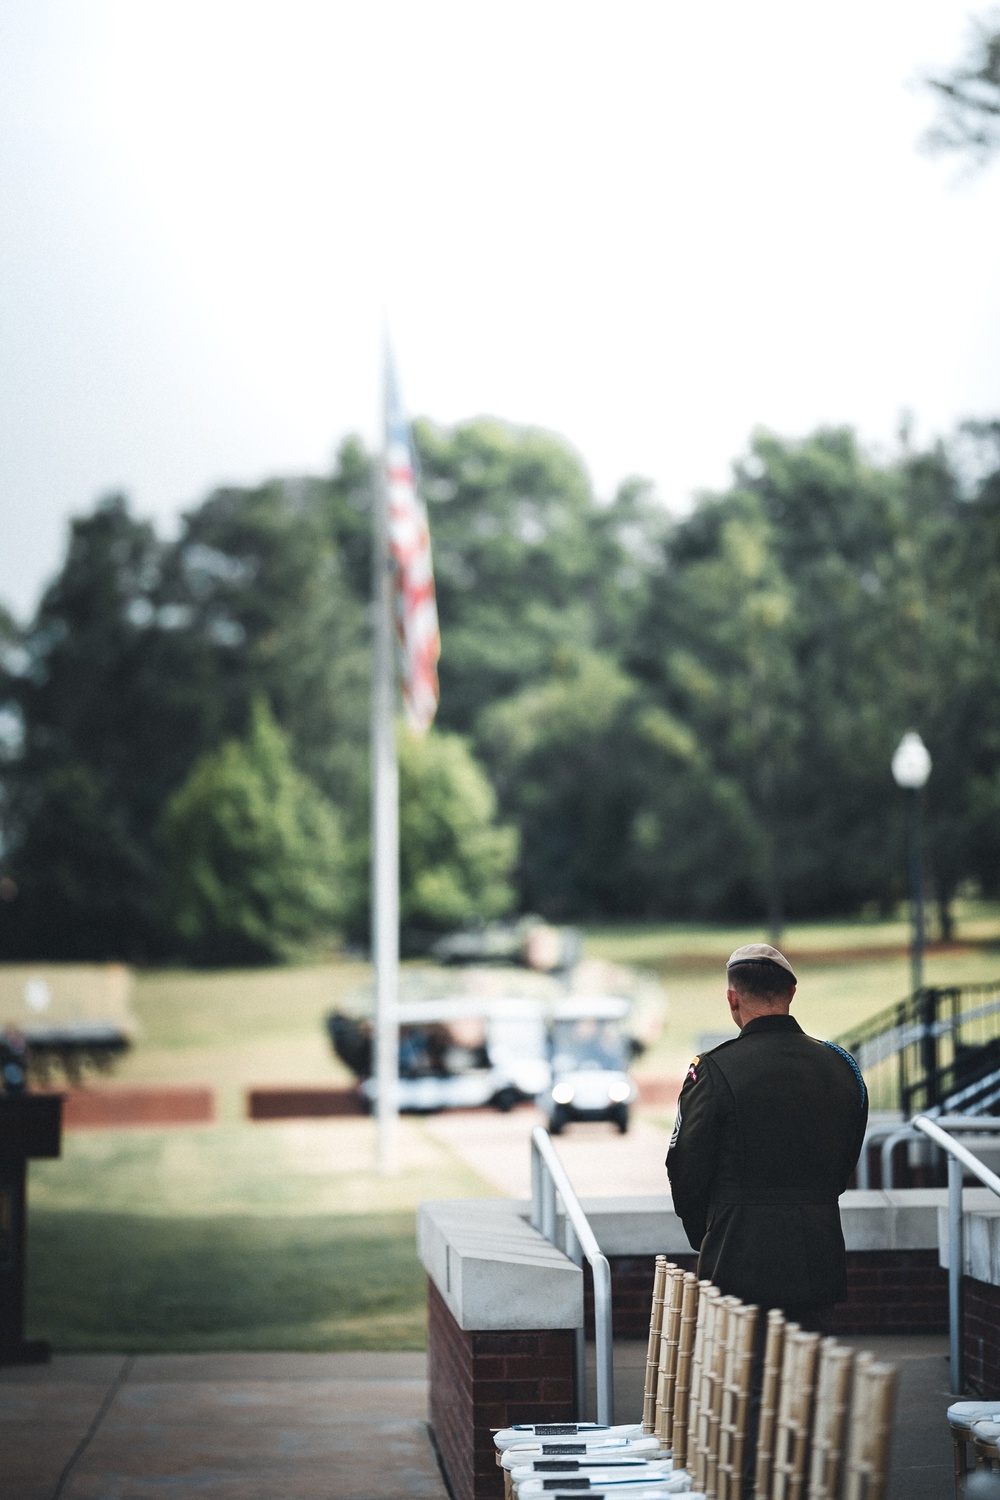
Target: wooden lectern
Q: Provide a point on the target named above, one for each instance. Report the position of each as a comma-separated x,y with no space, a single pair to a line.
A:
30,1125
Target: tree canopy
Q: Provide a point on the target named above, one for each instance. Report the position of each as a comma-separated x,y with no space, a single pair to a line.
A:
255,858
455,860
641,716
969,95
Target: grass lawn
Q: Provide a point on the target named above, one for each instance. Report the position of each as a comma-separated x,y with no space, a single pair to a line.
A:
237,1236
237,1028
283,1235
655,945
847,971
143,1283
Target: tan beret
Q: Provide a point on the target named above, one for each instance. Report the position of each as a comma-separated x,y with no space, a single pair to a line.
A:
760,953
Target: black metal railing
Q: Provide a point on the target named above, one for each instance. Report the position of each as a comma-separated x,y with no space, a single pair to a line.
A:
937,1051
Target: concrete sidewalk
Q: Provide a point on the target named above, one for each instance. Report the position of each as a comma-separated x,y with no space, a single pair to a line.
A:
305,1426
218,1427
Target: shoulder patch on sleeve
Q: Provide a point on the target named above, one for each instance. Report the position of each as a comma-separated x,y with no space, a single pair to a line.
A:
853,1065
692,1071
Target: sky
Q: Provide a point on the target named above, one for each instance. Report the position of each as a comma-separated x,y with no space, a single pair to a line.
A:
650,227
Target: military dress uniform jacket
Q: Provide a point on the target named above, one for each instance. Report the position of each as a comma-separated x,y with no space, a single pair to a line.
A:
769,1128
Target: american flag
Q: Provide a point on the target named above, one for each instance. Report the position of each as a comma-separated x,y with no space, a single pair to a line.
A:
410,547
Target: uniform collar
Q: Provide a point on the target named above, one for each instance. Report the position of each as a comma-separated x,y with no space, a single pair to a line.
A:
771,1023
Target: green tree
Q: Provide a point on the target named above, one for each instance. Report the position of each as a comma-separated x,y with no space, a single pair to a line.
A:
455,860
621,812
144,656
732,675
559,754
259,581
105,710
254,851
679,719
839,528
960,700
893,568
528,567
850,600
969,95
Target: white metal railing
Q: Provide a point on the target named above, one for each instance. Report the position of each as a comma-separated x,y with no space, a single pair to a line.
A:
548,1178
960,1160
874,1134
892,1136
895,1038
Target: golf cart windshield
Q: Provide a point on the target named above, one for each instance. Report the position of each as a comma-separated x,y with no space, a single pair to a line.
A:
588,1045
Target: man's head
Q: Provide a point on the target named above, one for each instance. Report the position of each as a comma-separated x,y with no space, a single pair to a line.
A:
760,983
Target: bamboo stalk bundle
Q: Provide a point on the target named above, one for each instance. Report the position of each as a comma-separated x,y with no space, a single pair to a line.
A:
653,1347
735,1408
830,1421
770,1387
685,1362
666,1383
869,1429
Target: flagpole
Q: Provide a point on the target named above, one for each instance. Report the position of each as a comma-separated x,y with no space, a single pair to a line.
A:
384,834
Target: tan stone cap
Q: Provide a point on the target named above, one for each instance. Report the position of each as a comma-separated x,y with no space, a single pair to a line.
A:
760,953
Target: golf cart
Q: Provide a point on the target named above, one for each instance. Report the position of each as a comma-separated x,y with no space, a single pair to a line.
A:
590,1055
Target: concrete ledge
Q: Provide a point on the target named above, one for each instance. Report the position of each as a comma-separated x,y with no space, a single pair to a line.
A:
905,1219
981,1247
493,1270
902,1219
636,1226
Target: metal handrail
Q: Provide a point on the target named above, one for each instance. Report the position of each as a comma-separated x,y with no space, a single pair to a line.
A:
905,1013
878,1133
873,1134
548,1177
976,1124
933,1035
958,1157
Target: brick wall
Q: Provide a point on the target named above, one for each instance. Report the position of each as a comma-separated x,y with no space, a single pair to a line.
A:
481,1381
981,1337
122,1106
888,1291
303,1104
893,1291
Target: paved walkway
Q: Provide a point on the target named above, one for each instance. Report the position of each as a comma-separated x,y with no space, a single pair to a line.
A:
218,1427
598,1160
305,1426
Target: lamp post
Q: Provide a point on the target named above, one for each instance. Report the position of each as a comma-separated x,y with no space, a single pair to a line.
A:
911,766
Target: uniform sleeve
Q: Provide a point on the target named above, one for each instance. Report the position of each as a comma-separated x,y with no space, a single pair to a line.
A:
854,1142
693,1152
861,1127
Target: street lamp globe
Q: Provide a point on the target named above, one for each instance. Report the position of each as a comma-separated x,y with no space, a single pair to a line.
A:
911,764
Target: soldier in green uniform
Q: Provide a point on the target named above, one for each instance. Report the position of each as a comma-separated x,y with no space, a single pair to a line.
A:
769,1128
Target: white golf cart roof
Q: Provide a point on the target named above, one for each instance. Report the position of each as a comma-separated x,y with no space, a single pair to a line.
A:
514,1007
